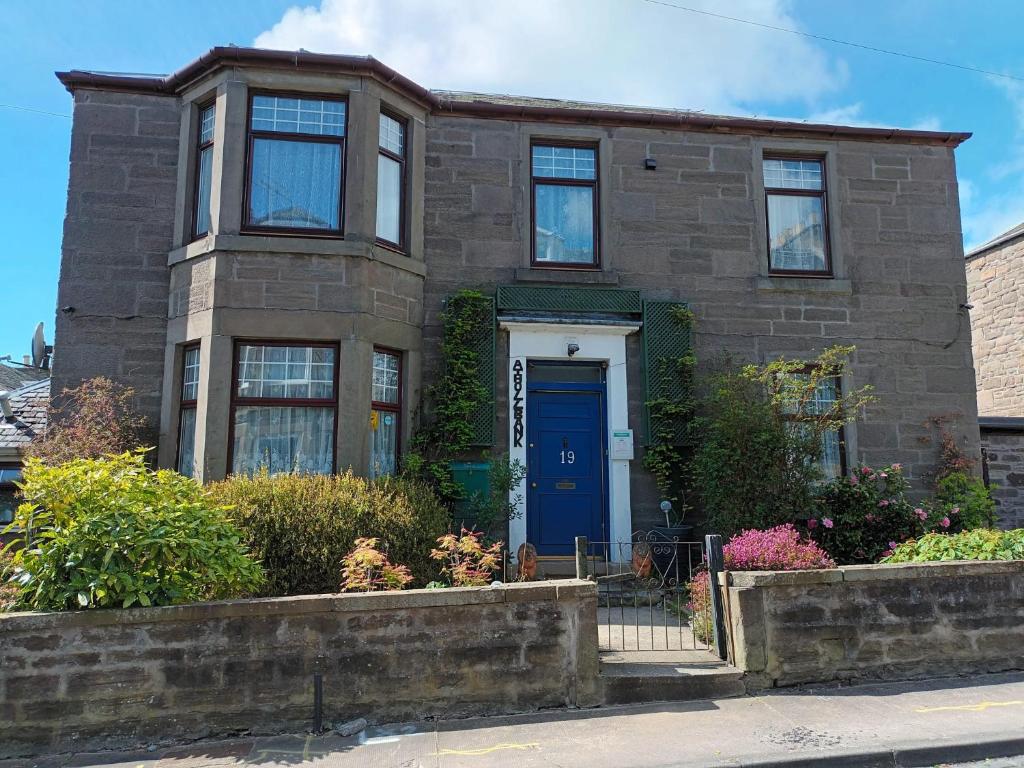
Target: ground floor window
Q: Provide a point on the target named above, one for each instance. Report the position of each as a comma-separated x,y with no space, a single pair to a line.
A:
284,407
9,475
187,412
385,412
832,460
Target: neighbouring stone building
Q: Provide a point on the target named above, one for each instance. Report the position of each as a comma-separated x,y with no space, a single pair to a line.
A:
262,243
995,284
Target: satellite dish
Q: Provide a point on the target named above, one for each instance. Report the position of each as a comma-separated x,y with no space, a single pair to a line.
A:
40,351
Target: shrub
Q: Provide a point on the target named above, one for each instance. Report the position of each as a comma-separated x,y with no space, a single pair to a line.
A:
465,562
95,419
979,544
302,526
861,514
491,511
965,501
106,533
759,435
8,589
777,549
367,569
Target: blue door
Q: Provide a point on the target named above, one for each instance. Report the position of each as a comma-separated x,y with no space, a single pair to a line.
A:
565,466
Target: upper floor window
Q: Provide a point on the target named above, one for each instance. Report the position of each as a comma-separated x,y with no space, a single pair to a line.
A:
296,164
385,412
204,171
564,183
283,407
391,181
794,190
187,411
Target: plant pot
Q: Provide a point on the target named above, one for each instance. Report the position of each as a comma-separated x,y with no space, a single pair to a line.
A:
670,551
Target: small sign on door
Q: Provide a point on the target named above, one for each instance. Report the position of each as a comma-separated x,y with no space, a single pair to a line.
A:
622,444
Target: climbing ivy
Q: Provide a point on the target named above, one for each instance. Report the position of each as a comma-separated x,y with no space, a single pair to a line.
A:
665,456
453,399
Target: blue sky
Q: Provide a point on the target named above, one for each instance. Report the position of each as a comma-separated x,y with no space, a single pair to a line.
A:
622,51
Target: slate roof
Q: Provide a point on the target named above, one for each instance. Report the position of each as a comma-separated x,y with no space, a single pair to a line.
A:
17,376
29,404
1007,236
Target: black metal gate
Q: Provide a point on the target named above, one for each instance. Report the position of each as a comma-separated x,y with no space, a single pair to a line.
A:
654,593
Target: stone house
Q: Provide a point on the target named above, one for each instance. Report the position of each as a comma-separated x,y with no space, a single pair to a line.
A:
995,284
23,413
262,243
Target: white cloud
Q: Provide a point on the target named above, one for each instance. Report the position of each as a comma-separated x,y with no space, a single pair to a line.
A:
930,123
600,50
986,216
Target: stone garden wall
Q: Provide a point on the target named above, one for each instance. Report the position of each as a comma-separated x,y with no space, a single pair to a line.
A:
876,621
113,679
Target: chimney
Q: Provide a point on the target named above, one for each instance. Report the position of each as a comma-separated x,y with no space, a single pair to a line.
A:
26,359
5,405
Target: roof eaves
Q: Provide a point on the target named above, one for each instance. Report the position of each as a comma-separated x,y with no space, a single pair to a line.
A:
493,106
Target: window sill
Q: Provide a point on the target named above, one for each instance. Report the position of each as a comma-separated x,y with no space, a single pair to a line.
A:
285,245
571,276
803,284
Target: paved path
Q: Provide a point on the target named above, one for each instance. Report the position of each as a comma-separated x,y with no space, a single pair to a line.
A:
926,723
648,628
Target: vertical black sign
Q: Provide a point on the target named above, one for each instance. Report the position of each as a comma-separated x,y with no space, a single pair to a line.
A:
517,404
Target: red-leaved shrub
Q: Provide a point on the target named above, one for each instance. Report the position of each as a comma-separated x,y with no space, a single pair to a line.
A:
776,549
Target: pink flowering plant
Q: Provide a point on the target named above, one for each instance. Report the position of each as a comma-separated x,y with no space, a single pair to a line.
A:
862,513
777,549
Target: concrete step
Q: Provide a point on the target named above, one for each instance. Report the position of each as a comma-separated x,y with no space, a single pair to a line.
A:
642,678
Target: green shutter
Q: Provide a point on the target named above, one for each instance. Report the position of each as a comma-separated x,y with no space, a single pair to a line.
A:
665,341
482,341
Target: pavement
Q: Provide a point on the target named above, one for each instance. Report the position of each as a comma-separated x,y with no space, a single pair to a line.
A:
937,722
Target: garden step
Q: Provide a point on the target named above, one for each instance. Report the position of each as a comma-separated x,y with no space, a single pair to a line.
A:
640,678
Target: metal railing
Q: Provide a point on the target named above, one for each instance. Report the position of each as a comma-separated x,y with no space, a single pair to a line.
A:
646,601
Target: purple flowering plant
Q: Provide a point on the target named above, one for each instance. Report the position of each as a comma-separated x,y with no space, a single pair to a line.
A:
777,549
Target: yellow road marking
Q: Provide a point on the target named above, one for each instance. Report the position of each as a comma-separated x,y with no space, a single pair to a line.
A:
980,707
486,750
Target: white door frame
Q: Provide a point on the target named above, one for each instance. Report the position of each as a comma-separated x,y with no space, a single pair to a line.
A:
597,343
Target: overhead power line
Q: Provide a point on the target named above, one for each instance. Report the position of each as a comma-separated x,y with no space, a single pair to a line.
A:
31,109
871,48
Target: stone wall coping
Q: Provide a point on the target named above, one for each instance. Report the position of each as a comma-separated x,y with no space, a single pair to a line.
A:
567,589
881,572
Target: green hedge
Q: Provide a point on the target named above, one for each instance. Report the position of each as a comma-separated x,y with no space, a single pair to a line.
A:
112,533
979,544
300,527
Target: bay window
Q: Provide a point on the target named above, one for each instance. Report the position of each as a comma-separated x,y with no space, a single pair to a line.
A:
391,181
794,190
296,164
204,171
385,412
284,407
187,411
564,191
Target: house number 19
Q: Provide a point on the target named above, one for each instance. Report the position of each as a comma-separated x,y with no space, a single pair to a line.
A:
568,457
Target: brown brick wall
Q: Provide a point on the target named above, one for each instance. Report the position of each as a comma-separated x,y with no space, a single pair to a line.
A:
117,232
1004,455
995,281
114,679
693,231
